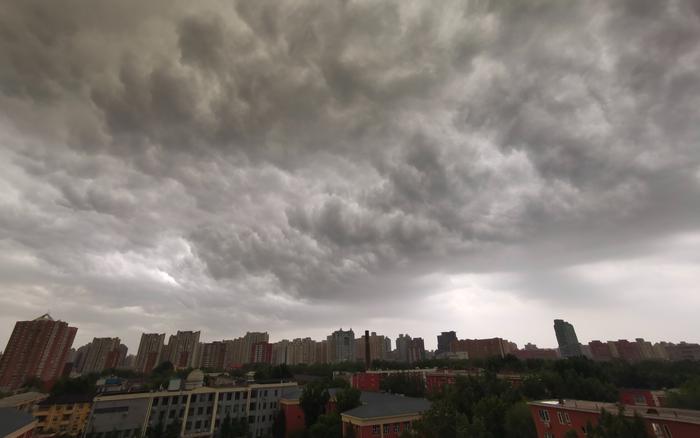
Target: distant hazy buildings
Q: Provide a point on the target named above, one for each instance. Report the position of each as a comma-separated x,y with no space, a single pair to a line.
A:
36,349
484,348
182,349
149,353
103,354
567,339
445,340
341,346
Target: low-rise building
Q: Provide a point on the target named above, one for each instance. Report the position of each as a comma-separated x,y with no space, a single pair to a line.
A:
24,401
194,409
384,415
555,418
380,414
16,424
64,415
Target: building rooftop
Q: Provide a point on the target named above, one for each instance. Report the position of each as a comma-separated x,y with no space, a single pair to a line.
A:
377,404
66,399
20,399
651,412
12,420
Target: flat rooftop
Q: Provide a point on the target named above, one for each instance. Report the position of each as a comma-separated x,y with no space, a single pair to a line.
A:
651,412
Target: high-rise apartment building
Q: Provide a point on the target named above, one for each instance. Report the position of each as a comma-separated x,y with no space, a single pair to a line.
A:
212,355
567,339
301,351
103,354
341,346
261,352
416,350
402,344
445,340
36,349
279,352
149,353
183,349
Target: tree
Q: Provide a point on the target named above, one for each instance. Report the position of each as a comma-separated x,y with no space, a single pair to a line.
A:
687,396
618,426
346,399
519,423
403,383
313,402
327,426
279,425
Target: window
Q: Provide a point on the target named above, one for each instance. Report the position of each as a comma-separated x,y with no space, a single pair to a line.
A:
238,396
386,429
155,401
252,406
254,393
183,400
228,396
397,427
200,410
171,414
194,398
190,412
209,409
375,430
188,425
563,417
198,424
211,396
548,435
661,430
406,425
544,415
265,395
264,406
251,419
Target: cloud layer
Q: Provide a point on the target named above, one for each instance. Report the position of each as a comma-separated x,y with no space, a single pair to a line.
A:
294,166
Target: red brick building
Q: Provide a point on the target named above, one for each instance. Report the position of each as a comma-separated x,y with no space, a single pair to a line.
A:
554,419
642,397
371,380
382,415
36,349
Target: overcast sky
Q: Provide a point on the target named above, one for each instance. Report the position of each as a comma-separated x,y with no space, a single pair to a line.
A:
399,166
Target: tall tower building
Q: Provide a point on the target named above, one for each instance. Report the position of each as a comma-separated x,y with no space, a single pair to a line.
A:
183,349
445,340
150,350
36,349
341,346
103,354
402,344
567,339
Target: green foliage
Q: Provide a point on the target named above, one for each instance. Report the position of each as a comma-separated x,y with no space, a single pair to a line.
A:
518,422
313,402
327,426
347,398
403,383
618,426
233,428
33,383
478,407
687,397
279,425
83,385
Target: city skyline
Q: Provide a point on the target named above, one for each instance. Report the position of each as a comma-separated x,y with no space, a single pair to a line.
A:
297,167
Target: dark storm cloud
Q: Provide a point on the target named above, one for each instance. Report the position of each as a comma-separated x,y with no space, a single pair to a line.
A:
268,160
